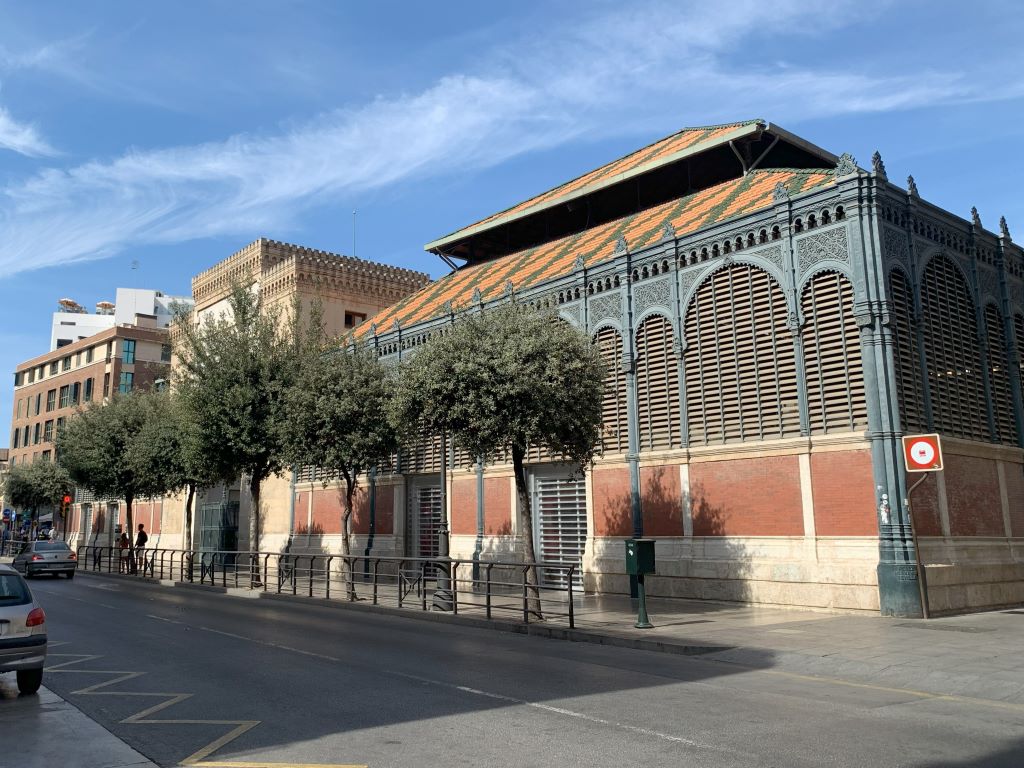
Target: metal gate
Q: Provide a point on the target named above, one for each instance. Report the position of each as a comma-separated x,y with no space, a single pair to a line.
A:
86,524
424,520
560,523
218,527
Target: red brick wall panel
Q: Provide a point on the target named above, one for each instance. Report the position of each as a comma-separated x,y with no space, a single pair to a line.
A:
1015,493
464,505
360,522
972,490
611,502
842,483
326,511
497,506
385,510
301,510
747,497
662,501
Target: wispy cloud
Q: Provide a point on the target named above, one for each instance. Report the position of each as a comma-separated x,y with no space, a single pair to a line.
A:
22,138
619,72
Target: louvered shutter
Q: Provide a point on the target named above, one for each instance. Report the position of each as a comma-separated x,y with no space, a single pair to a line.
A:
425,520
657,385
953,353
614,426
909,387
1018,328
999,376
423,454
740,362
561,509
835,376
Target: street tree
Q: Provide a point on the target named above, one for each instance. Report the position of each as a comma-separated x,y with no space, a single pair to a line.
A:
39,484
233,370
98,447
502,381
336,418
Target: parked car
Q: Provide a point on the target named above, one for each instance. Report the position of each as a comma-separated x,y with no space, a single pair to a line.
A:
22,631
46,557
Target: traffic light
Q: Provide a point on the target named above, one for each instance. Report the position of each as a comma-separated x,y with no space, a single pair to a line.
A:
64,505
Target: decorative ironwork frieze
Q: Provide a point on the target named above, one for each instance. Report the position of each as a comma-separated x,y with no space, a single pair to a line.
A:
829,245
605,307
896,246
651,294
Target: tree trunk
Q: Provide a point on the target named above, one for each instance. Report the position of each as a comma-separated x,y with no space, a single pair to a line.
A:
130,522
255,529
348,572
189,498
518,454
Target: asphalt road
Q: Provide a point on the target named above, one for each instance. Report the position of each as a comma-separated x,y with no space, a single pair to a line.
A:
257,682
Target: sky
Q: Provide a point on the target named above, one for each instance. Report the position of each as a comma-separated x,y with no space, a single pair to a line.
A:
140,143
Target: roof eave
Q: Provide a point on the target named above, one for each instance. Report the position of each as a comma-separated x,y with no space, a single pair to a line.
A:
739,132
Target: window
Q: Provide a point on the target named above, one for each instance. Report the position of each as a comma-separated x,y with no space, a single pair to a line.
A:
21,407
51,400
128,353
126,382
614,430
76,392
46,456
78,359
87,392
657,385
65,396
37,433
39,403
48,431
110,350
62,343
88,355
31,375
40,372
60,424
16,439
19,378
24,437
106,384
352,319
65,364
165,353
53,368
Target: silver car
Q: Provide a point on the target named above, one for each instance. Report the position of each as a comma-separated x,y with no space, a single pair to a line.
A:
22,631
54,557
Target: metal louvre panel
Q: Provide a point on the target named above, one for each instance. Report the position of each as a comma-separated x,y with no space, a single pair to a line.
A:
999,376
425,520
561,525
909,389
835,376
423,455
953,352
1018,327
614,434
740,363
657,385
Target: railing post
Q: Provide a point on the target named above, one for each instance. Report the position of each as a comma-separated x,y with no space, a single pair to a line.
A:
526,597
312,568
572,618
376,563
327,576
455,588
423,583
266,560
488,587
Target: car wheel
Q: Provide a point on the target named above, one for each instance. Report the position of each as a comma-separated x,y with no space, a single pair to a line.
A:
29,680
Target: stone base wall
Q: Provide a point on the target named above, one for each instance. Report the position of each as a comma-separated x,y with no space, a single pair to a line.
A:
973,574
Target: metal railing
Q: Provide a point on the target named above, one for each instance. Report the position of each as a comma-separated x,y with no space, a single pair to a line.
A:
500,589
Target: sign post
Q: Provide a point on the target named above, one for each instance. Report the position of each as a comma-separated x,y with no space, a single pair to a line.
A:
922,454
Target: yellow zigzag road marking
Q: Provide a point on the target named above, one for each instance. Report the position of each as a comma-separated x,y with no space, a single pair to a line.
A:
144,717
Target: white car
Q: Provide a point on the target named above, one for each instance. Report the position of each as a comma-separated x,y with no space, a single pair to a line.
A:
22,631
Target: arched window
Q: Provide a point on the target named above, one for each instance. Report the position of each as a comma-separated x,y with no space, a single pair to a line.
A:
999,376
952,352
835,375
909,386
657,385
614,426
740,361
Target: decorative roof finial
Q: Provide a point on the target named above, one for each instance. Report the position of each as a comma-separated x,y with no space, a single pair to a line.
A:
373,329
877,165
975,218
621,246
846,165
397,326
780,194
1003,229
448,308
668,232
579,264
477,298
912,187
509,288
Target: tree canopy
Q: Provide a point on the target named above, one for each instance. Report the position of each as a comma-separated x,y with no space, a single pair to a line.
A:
35,485
502,381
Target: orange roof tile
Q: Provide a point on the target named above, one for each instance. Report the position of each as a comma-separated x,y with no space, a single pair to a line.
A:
550,260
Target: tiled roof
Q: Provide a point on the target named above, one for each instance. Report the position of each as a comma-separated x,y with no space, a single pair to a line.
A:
596,245
685,141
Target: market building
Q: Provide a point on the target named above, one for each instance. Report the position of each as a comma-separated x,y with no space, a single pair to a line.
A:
774,318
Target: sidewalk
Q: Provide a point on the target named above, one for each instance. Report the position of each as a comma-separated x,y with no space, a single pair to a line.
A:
44,731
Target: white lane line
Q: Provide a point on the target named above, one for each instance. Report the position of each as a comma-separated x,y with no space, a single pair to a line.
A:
269,644
161,618
76,599
562,711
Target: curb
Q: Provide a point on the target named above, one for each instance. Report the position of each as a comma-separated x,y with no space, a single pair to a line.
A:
497,625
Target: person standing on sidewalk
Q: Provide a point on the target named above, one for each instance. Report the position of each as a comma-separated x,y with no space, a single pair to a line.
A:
123,544
140,546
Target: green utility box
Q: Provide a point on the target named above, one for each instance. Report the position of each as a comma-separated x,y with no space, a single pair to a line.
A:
639,556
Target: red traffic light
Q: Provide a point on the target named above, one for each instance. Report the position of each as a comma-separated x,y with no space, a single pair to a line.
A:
67,499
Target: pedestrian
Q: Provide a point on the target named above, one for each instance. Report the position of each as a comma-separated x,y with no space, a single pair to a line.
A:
123,544
140,546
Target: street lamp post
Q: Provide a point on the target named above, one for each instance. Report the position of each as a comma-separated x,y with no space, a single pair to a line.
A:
443,600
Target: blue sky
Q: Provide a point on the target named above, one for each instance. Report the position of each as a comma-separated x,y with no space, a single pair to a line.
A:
168,135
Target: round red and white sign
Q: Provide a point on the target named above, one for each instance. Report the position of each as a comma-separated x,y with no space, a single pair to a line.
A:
923,453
